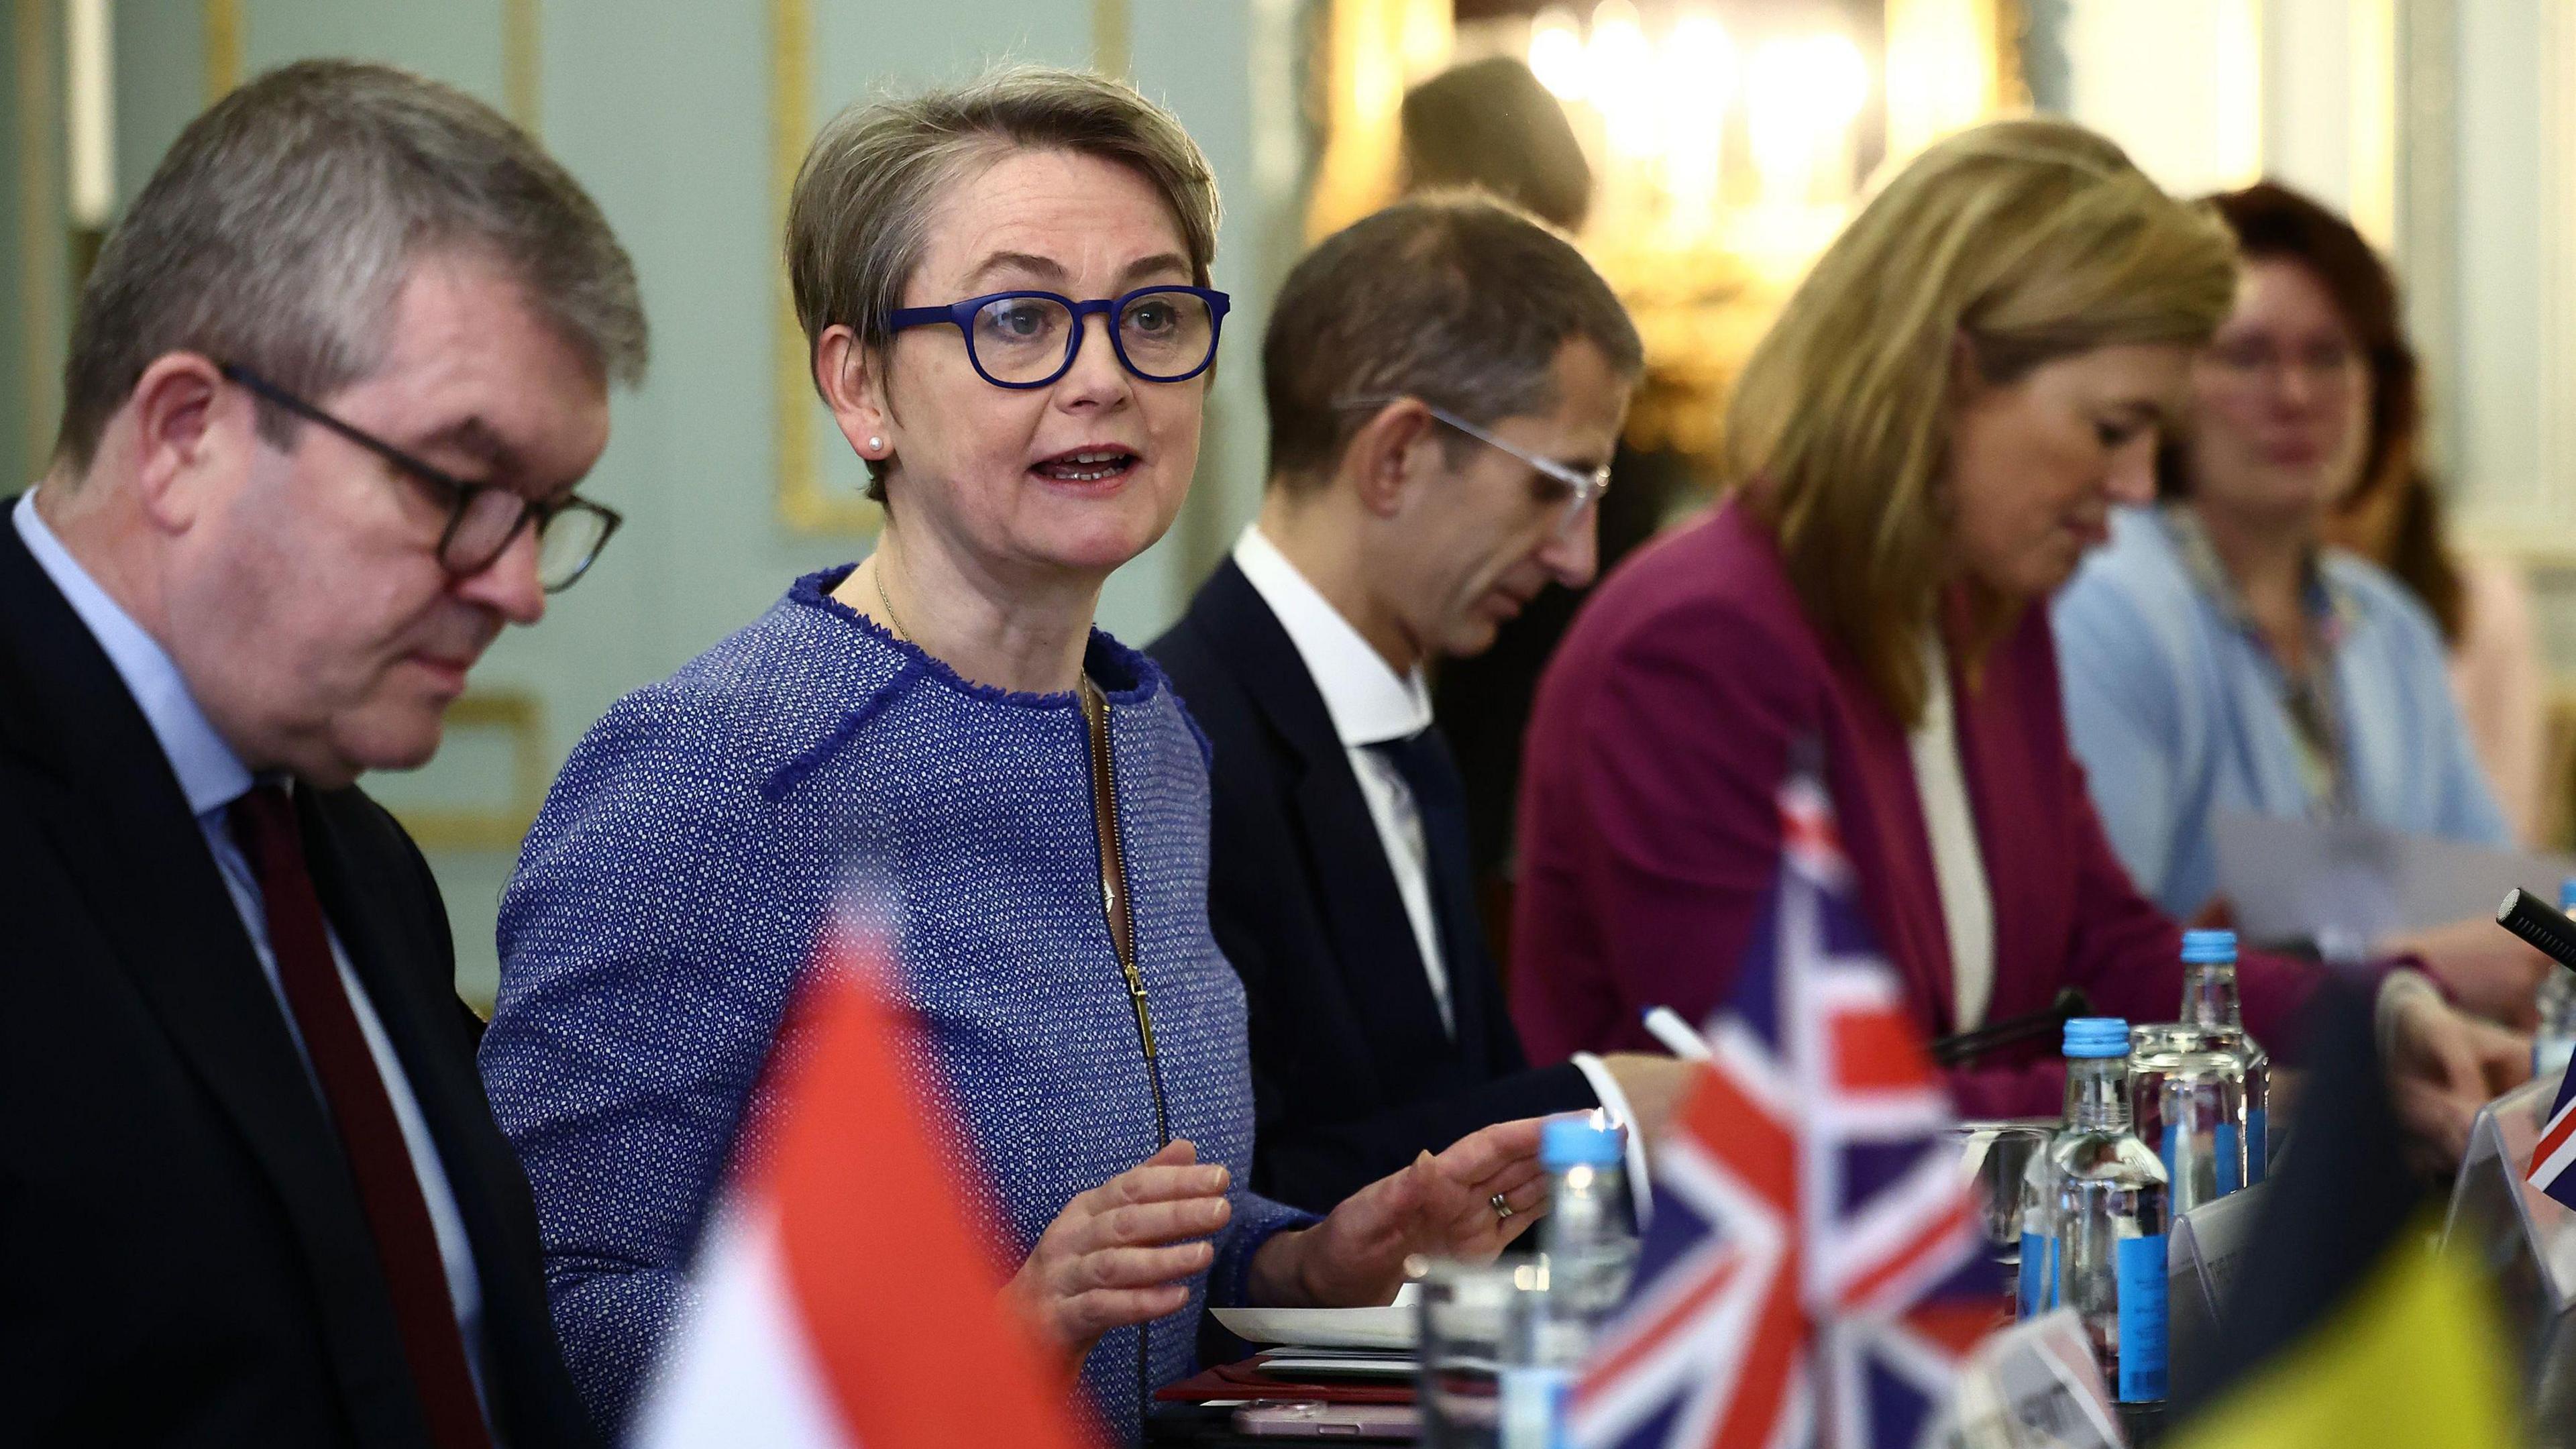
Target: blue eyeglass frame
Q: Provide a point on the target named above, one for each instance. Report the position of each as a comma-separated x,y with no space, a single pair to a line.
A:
961,315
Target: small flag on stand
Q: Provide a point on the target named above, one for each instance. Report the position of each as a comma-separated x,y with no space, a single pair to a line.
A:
2555,1153
2552,934
1811,1276
843,1299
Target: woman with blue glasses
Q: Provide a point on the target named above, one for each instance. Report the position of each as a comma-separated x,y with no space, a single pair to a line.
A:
1005,292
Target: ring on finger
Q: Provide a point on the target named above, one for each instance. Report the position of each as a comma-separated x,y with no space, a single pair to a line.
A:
1502,1206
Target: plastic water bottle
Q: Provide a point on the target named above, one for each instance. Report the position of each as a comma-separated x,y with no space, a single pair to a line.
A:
2555,1040
2109,1224
2037,1290
2200,1116
2156,1050
2210,1004
1587,1253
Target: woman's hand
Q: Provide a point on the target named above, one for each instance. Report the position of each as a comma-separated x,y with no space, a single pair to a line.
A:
1119,1254
2492,974
1441,1206
2442,1067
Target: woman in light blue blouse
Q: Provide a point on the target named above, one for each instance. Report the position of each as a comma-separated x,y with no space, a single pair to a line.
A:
2217,655
1005,291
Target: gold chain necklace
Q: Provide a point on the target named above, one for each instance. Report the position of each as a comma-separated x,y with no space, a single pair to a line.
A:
876,575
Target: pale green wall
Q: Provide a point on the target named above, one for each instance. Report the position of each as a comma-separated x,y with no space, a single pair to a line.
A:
661,108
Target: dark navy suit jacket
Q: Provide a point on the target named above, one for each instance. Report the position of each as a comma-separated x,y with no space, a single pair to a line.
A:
183,1255
1352,1071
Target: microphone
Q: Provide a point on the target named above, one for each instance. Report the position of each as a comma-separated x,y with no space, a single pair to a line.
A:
1950,1051
2549,932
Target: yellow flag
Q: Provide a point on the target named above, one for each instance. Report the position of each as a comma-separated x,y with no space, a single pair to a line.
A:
2416,1359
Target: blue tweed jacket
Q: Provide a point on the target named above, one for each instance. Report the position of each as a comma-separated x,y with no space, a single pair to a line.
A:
675,886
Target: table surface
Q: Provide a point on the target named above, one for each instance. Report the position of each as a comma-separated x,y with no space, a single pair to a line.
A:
1190,1426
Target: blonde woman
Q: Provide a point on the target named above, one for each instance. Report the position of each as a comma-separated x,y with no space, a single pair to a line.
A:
1923,447
1005,288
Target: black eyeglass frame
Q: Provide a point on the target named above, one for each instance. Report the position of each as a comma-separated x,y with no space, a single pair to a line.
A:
460,493
961,315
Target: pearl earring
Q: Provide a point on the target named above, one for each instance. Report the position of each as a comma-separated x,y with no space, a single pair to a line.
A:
875,443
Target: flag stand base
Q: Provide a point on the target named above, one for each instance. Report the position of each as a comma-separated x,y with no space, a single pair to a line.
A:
2525,1241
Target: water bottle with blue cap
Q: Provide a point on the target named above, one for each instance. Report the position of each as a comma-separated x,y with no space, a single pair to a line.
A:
1587,1253
1589,1238
2105,1248
2210,1004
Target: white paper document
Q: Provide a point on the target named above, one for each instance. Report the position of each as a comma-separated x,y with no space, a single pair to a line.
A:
2031,1386
2346,883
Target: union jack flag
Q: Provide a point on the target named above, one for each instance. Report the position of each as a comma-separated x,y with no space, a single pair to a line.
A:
1810,1277
2555,1153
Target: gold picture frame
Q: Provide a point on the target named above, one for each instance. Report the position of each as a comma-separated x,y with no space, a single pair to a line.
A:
522,716
1701,313
227,36
805,505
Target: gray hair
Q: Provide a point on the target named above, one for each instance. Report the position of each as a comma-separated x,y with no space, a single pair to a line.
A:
1454,298
860,216
279,229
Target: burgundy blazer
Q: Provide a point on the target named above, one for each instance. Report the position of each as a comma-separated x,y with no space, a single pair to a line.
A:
1650,833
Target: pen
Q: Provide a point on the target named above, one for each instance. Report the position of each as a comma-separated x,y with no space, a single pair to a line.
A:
1675,1034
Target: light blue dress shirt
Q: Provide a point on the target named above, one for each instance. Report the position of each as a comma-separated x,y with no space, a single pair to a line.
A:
2177,711
212,778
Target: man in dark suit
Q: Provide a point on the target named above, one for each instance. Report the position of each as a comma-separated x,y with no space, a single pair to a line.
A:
330,386
1446,381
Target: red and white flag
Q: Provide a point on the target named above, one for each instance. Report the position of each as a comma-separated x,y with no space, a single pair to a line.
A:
844,1300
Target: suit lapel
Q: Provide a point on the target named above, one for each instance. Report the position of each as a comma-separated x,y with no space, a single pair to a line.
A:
1372,937
375,905
363,895
112,807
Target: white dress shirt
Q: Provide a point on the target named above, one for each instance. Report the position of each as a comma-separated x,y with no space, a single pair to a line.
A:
1369,704
212,777
1958,860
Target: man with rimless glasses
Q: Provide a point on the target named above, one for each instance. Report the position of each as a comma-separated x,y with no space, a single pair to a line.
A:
1446,381
331,386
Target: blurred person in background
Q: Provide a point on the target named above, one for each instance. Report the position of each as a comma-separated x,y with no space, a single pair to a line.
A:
331,386
1923,446
1004,289
1490,125
1445,383
2482,605
2221,656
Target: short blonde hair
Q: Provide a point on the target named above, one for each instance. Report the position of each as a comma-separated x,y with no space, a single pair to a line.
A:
2028,239
859,217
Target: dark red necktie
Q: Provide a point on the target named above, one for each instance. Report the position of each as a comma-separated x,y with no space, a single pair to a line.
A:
388,1187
